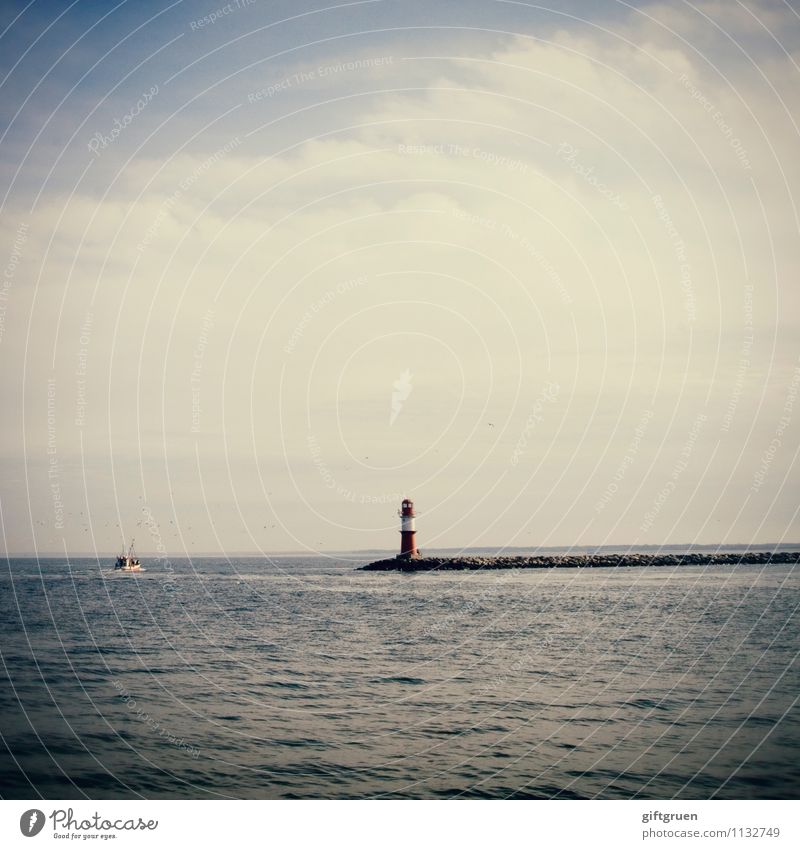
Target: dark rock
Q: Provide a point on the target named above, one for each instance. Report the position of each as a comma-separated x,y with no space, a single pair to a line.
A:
580,561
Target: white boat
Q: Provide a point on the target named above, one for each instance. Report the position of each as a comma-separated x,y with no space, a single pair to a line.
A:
128,562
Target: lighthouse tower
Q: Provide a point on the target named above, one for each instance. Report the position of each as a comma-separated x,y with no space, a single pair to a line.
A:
408,532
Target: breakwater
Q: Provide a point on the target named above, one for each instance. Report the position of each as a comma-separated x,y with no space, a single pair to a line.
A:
581,561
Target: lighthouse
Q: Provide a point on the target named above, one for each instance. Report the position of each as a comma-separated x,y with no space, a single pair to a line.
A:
408,532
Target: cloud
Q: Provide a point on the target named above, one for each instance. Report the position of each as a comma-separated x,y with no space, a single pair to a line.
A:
588,208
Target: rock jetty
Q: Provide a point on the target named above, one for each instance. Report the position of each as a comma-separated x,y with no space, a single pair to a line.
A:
581,561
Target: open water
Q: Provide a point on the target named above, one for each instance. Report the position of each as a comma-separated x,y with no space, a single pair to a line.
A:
291,677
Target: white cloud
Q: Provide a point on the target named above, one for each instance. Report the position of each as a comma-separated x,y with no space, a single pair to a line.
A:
505,223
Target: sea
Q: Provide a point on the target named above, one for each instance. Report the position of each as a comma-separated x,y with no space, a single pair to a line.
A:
301,677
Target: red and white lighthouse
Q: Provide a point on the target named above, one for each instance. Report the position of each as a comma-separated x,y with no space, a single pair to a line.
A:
408,531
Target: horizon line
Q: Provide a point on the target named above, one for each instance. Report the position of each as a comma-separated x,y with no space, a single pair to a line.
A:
32,555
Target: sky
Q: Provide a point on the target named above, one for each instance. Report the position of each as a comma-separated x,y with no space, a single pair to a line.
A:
270,267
